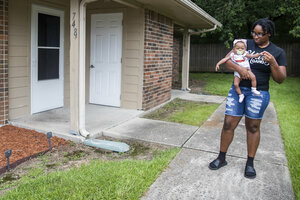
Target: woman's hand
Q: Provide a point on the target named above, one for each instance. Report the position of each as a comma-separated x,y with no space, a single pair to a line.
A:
269,58
278,72
241,70
244,73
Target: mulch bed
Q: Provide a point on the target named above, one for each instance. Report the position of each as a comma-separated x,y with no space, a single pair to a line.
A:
24,144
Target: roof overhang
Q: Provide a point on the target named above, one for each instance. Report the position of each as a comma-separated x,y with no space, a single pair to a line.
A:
183,12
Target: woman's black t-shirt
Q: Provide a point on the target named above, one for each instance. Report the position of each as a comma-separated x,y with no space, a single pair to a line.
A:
259,67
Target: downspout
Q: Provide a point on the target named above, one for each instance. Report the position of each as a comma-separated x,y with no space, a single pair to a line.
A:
104,144
186,39
82,45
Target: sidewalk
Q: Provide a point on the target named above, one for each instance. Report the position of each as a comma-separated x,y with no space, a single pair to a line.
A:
188,176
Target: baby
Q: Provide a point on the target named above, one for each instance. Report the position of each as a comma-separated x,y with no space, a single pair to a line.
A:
240,56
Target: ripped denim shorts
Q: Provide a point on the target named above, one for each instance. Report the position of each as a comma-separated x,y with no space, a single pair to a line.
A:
253,105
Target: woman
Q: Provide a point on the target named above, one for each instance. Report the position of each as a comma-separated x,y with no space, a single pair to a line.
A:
273,62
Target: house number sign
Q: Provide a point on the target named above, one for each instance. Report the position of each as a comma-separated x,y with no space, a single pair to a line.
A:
74,25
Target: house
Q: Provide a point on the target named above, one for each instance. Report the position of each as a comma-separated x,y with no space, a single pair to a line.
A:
68,53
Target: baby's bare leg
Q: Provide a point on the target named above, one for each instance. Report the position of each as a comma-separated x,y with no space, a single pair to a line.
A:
253,78
253,83
236,83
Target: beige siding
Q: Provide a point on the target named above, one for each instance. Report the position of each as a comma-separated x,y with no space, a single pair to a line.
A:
67,55
19,53
132,51
18,48
20,71
18,102
17,93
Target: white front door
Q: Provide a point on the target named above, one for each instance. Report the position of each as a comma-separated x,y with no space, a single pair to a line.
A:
47,77
106,53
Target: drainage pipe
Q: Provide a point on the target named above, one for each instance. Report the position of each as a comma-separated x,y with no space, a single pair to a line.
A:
109,145
82,50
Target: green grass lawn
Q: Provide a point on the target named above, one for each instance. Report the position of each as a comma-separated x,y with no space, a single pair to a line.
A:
185,112
286,98
216,83
127,179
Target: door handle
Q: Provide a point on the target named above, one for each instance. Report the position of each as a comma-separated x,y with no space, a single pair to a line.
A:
92,66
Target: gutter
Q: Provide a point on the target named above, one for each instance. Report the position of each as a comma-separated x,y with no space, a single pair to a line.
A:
203,31
130,4
193,7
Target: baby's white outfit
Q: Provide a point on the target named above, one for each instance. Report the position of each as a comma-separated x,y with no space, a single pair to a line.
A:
241,60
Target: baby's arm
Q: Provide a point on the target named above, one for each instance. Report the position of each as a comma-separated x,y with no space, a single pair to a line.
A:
221,62
253,55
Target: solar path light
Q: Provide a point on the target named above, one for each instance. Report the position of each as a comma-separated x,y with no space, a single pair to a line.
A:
49,135
7,154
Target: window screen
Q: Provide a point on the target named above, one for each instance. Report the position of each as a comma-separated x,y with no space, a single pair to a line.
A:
49,29
48,46
48,64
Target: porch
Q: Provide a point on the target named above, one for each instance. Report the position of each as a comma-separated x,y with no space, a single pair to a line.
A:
98,118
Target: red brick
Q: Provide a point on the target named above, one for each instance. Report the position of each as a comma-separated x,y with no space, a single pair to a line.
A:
158,52
4,62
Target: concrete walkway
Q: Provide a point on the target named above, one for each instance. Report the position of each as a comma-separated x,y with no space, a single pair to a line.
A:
188,176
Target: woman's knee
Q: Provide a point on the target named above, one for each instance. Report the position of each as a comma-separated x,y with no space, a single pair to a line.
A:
230,122
228,126
253,128
252,125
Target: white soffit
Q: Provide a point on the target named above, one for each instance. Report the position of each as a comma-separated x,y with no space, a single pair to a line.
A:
184,12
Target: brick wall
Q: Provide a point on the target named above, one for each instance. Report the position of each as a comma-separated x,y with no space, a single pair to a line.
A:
177,45
3,61
158,59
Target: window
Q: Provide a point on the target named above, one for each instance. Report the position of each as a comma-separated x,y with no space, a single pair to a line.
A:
48,46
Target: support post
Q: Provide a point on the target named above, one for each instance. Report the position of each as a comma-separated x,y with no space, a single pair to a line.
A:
74,66
77,62
186,60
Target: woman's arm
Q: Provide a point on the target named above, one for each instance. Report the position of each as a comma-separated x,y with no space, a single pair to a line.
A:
235,67
278,72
